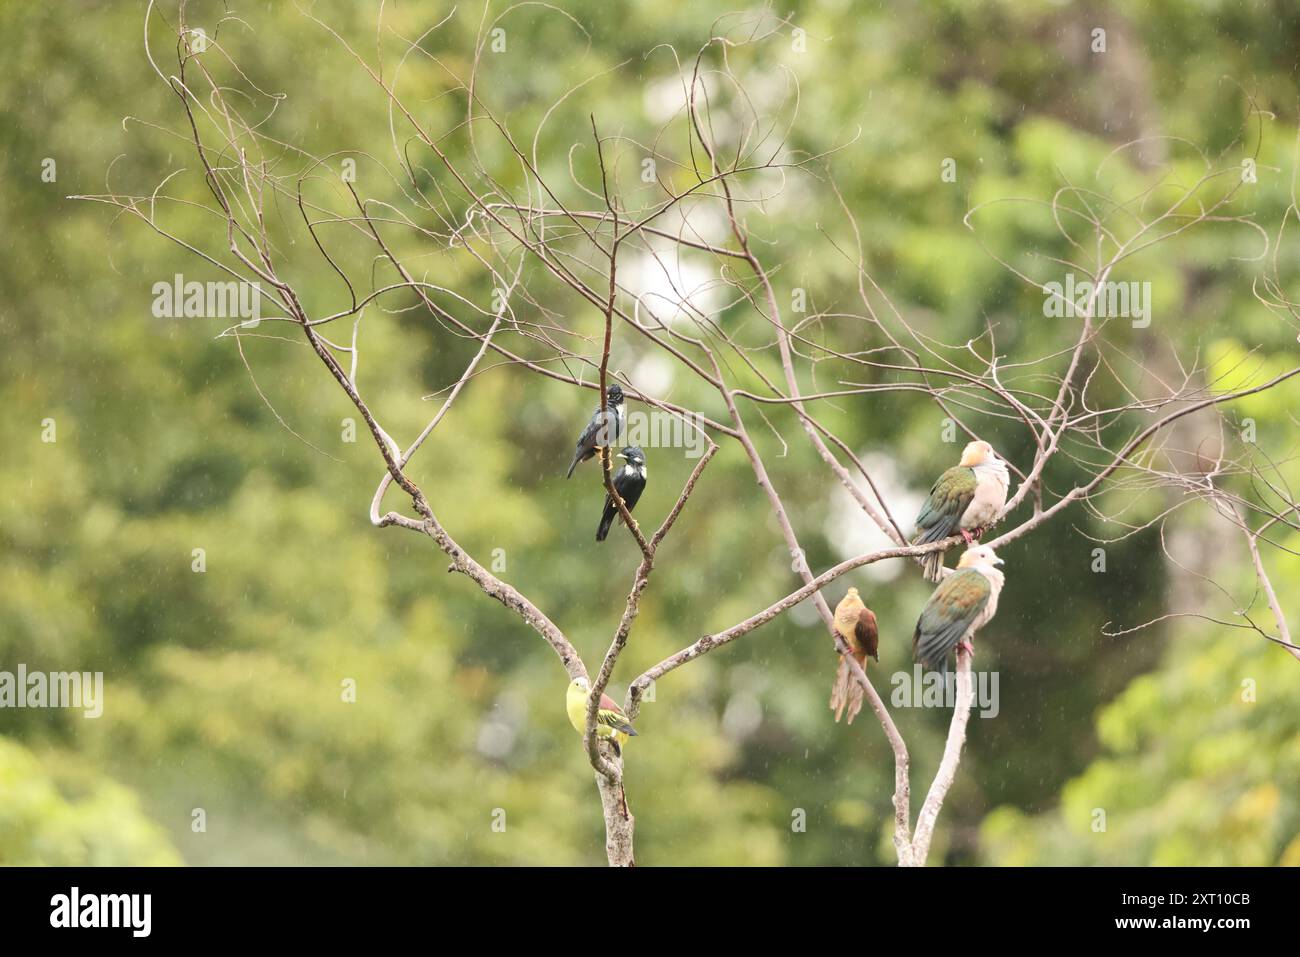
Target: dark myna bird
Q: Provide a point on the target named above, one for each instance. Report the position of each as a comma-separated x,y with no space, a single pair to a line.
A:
629,482
856,624
604,429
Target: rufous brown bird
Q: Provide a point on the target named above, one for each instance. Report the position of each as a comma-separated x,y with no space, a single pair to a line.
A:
856,624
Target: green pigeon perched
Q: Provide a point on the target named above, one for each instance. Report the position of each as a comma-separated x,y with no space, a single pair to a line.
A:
611,722
965,500
962,604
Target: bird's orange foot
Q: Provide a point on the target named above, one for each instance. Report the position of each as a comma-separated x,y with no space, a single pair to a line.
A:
967,536
967,647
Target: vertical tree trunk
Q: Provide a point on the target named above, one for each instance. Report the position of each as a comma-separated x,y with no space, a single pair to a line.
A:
618,817
943,779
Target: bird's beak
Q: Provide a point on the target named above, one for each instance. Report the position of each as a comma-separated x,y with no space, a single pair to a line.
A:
621,456
998,561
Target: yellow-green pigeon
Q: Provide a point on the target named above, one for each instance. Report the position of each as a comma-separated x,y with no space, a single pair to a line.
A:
966,500
963,603
856,624
611,722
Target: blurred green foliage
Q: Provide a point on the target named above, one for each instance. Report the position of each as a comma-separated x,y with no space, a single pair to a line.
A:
1200,766
225,688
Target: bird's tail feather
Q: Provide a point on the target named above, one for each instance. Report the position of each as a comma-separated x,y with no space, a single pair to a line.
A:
931,565
577,457
846,693
606,521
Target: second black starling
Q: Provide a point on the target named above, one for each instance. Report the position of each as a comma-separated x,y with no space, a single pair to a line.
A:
629,482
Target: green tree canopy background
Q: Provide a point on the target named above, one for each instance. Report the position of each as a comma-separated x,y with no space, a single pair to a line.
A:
223,687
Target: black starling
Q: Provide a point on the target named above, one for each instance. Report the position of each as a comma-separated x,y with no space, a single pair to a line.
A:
629,482
611,418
